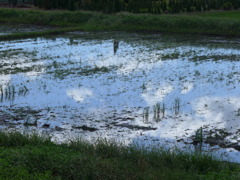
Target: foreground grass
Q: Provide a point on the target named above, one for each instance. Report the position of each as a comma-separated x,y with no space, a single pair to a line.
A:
220,23
33,157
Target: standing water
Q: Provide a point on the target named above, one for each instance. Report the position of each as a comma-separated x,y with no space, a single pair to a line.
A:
131,88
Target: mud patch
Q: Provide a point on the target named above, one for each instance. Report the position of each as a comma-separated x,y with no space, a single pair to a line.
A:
135,127
85,128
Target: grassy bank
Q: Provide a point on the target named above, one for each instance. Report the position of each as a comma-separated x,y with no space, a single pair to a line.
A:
32,157
33,34
219,23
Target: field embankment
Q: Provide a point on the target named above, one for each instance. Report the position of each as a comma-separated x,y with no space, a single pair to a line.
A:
33,157
217,23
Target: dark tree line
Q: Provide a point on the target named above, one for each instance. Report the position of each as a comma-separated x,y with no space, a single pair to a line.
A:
14,3
139,6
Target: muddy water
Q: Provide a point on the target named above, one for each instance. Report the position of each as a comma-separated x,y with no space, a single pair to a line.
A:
132,88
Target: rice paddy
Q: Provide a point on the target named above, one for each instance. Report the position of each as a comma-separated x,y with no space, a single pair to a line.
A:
163,90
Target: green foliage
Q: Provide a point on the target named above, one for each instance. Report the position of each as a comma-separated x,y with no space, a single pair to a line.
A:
227,6
33,157
18,139
134,6
199,135
138,6
12,3
220,23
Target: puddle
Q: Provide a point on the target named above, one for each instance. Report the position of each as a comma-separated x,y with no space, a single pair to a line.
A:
134,88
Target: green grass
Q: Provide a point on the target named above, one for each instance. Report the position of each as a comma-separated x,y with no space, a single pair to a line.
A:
37,34
214,23
222,14
33,157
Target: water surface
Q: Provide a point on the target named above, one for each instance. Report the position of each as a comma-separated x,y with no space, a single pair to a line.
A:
133,88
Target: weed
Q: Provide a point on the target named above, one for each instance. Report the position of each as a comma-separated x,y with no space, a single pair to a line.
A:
55,64
143,87
9,91
1,91
157,111
163,110
198,140
238,112
176,106
146,115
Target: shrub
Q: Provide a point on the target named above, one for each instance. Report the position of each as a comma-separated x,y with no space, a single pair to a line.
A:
227,6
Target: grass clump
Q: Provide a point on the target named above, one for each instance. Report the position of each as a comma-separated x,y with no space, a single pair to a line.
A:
33,157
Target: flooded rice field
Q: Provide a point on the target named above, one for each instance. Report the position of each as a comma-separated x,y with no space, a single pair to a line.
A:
160,90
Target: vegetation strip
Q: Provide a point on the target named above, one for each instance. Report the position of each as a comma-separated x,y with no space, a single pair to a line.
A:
135,6
36,34
219,23
34,157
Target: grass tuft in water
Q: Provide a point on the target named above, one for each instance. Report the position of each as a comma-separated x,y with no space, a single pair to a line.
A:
156,112
8,92
176,106
146,114
198,138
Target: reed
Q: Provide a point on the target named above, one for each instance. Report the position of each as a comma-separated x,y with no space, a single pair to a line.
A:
176,106
146,115
8,92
